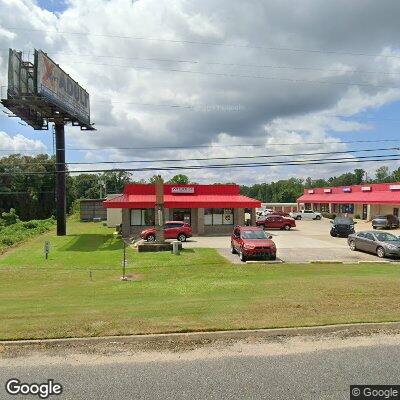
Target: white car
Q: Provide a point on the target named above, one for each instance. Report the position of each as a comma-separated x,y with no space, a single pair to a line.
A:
306,214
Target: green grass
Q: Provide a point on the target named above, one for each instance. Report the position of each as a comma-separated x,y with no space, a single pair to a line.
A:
198,290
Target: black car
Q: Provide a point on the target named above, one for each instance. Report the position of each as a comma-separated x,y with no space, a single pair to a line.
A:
342,226
385,221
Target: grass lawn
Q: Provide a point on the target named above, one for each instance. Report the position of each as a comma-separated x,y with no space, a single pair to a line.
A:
198,290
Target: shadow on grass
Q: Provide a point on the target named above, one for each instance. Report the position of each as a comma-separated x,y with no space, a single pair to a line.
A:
92,242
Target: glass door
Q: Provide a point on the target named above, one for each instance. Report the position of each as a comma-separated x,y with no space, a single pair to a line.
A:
365,211
182,214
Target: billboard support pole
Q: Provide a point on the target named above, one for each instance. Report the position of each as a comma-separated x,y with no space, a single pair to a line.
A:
60,178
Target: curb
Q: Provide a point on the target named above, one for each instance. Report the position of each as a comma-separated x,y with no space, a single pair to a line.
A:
171,338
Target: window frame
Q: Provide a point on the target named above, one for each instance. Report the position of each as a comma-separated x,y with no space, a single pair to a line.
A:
142,216
223,213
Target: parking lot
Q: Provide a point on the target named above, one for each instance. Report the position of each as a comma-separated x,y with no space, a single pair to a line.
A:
309,241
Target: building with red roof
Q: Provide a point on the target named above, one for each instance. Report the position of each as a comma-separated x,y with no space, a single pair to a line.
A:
209,209
365,200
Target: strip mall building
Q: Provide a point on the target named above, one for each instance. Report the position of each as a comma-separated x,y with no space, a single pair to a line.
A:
209,209
364,200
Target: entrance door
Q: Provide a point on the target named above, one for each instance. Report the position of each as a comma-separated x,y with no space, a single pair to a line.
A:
365,211
182,214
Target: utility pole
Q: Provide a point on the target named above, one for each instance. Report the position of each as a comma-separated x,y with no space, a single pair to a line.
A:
60,178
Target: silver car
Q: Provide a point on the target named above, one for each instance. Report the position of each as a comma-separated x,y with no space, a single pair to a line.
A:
383,244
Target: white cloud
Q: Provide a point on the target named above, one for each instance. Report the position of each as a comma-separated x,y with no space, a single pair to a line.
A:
288,107
20,144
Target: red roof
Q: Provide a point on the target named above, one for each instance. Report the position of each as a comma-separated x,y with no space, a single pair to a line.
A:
183,196
384,193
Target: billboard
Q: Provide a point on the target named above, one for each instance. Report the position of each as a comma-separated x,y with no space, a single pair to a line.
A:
20,75
59,88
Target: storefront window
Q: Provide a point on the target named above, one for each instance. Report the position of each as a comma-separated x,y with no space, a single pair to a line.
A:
218,216
346,208
324,207
143,217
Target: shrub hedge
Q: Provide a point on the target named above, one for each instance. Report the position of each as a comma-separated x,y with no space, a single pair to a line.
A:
20,231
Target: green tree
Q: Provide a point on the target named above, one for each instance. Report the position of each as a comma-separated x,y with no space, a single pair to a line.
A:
179,179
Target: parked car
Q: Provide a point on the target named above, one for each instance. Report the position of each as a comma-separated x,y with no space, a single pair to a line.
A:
385,221
306,214
263,213
342,226
172,230
273,221
383,244
250,241
281,213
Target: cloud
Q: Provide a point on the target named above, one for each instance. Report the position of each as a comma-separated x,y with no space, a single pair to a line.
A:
142,58
20,144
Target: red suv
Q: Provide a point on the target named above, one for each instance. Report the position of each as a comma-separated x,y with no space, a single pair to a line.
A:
172,230
250,241
277,221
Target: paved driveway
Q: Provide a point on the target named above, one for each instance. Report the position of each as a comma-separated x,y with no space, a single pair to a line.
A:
309,241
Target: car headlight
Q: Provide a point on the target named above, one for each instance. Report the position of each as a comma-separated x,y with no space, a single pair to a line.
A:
248,246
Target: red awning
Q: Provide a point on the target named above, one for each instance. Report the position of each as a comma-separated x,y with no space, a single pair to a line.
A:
378,197
182,201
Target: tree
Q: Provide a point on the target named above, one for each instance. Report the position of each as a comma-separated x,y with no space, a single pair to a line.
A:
154,178
382,174
179,179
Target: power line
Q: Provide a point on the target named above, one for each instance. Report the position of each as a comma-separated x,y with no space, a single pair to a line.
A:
230,75
193,42
344,160
224,64
206,158
218,146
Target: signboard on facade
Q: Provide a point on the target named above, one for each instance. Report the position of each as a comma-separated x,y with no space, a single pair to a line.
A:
311,191
346,189
327,190
366,188
182,190
58,87
394,187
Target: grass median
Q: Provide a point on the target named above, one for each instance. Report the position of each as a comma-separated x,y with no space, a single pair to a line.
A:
77,291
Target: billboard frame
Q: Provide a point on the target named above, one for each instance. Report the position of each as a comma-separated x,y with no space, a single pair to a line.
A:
38,106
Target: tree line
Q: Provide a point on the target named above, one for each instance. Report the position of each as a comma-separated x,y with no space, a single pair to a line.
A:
33,196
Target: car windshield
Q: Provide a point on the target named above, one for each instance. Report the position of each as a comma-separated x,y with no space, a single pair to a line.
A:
343,221
386,237
254,235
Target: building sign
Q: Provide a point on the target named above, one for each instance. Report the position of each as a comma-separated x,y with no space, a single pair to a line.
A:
311,191
366,188
327,190
58,87
394,187
182,190
346,189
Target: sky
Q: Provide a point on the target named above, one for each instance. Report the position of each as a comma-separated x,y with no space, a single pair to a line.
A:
215,73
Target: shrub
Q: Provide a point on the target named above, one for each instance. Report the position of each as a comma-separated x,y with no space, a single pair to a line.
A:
20,231
9,218
357,216
329,215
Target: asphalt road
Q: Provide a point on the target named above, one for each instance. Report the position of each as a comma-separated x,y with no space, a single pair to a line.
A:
316,373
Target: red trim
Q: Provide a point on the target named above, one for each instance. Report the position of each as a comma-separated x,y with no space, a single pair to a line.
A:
379,194
203,196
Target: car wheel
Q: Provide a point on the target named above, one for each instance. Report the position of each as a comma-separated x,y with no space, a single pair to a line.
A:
182,237
318,217
151,238
374,227
242,257
233,251
352,245
286,227
298,217
333,234
380,252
